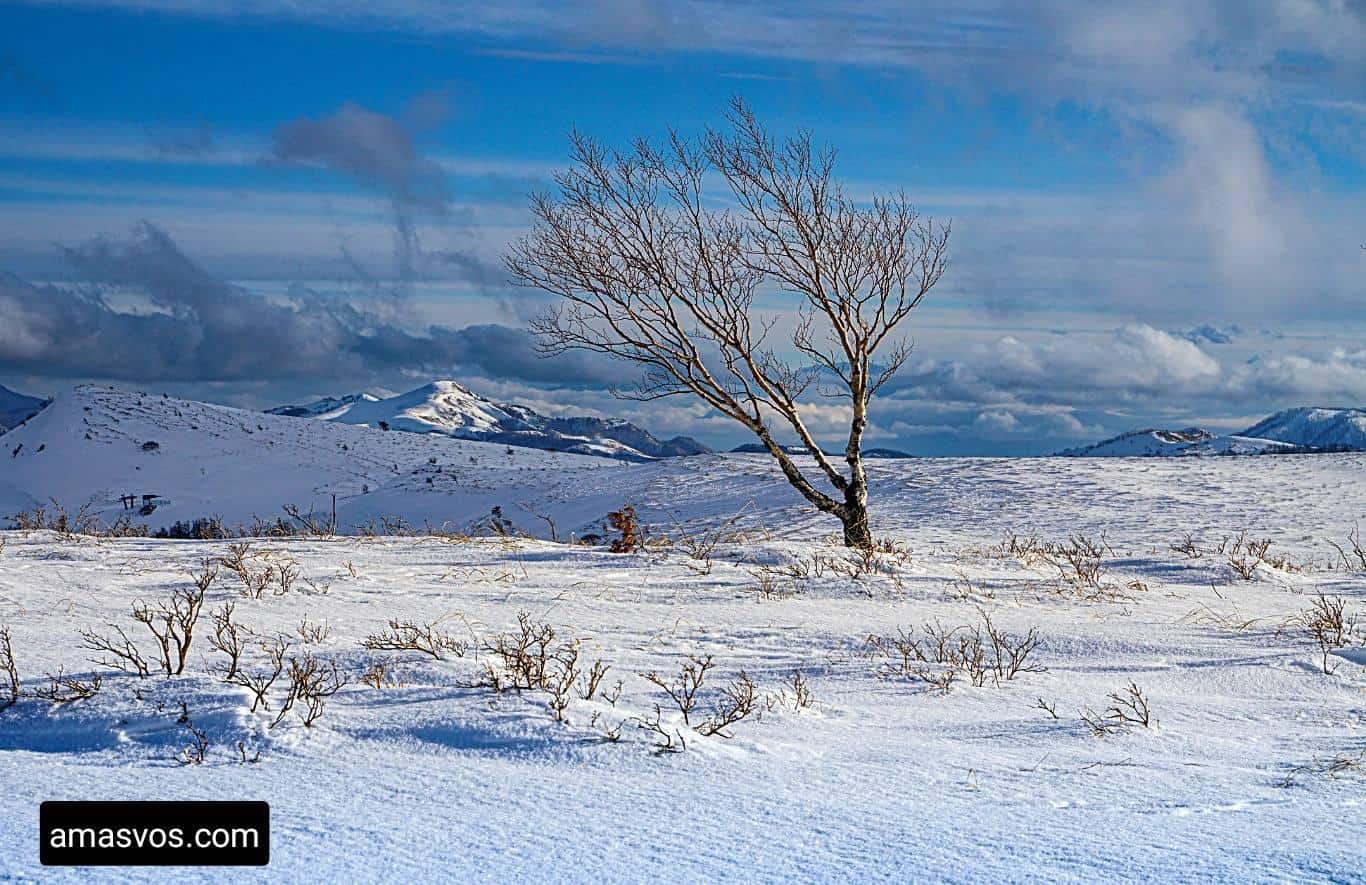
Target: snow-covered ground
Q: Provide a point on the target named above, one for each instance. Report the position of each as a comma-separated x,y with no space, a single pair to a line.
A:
881,777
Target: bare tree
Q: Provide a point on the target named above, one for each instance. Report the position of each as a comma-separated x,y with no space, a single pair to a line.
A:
650,268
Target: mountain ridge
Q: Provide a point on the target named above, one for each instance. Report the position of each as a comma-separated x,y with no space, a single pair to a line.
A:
449,408
1297,430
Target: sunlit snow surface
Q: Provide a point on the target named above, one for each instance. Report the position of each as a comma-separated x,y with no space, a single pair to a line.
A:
882,778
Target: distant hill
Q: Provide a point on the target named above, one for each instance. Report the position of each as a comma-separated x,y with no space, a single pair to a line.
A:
16,408
1299,430
758,449
1330,429
93,445
451,409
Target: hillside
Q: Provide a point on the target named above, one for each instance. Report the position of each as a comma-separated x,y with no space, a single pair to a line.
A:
1153,443
1300,430
93,445
451,409
1330,429
16,408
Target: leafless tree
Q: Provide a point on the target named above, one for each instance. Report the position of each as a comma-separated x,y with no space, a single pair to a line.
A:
651,269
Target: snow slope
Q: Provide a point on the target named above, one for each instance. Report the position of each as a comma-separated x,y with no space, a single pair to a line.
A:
436,778
93,445
1334,429
450,408
16,408
1169,443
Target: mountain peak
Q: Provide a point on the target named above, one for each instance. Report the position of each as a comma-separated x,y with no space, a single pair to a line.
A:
449,408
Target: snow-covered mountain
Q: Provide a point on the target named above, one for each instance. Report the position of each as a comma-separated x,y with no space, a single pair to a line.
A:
326,408
16,408
451,409
1305,429
94,445
1154,443
1329,429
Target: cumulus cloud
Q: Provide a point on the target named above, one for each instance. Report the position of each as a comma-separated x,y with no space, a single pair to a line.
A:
183,324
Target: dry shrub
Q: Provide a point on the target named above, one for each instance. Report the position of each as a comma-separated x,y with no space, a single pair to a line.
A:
259,682
313,634
172,623
736,702
121,653
63,689
940,655
311,684
624,522
1328,625
1355,560
408,636
1331,767
228,637
9,669
377,674
1128,709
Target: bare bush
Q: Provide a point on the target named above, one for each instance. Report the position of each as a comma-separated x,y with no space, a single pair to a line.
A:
63,689
1187,547
683,690
1050,709
376,674
1355,560
1328,625
198,748
940,655
738,701
172,623
408,636
311,684
801,692
228,637
592,680
314,634
627,527
259,682
121,653
9,669
667,740
1128,709
312,523
1331,767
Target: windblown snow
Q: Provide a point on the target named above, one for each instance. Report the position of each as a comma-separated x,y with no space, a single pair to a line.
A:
1249,768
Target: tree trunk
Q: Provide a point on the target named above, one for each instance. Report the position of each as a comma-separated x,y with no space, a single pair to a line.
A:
854,515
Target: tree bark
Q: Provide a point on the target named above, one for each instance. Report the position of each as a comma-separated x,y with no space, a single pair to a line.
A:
855,519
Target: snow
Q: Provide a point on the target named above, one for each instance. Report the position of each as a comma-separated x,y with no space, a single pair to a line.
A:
449,408
1303,429
881,778
1310,426
16,408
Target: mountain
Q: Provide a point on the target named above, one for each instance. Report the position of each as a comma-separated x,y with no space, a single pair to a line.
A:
758,449
1301,430
16,408
326,408
93,445
451,409
1320,428
1154,443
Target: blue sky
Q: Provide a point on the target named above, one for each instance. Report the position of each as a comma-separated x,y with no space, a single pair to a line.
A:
1158,208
